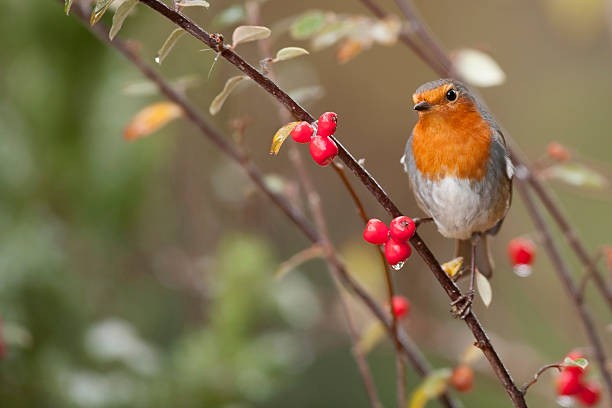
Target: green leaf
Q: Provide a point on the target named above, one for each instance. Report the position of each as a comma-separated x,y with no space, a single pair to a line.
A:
579,362
287,53
67,6
193,3
170,42
432,386
477,68
484,289
230,85
243,34
122,12
577,174
99,10
307,25
280,136
230,16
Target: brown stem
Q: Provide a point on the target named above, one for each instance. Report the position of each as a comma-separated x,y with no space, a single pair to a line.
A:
537,375
565,277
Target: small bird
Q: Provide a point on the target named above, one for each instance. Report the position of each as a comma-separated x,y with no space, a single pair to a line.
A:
460,172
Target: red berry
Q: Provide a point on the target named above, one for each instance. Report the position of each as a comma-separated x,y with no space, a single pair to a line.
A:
589,394
402,228
326,125
400,306
558,152
376,232
575,355
302,132
323,149
521,251
568,383
462,378
396,251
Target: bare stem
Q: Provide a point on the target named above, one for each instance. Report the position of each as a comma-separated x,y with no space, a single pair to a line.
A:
537,375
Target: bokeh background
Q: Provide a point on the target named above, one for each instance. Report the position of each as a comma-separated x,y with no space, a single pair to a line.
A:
142,274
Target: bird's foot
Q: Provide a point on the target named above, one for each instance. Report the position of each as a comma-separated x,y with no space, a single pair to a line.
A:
461,307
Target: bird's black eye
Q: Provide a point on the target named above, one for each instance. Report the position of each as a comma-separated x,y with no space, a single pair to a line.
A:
451,95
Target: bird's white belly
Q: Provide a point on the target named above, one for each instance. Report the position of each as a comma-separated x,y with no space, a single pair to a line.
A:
457,207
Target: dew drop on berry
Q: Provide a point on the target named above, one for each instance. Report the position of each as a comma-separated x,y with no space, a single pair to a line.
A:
398,266
565,401
523,270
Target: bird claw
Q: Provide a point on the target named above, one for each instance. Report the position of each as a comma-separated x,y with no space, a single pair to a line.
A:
461,306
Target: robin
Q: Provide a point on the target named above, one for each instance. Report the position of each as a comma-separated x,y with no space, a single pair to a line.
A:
460,172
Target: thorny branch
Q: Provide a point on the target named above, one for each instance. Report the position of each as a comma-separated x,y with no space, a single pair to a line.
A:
410,350
453,292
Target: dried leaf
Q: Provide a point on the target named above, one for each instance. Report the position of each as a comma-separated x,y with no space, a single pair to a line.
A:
453,266
298,259
99,10
170,42
307,25
151,118
230,85
577,174
230,16
243,34
67,6
348,50
432,386
287,53
280,136
371,337
484,288
122,12
193,3
478,68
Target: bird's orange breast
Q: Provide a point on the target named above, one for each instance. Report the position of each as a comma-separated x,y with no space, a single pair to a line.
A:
452,144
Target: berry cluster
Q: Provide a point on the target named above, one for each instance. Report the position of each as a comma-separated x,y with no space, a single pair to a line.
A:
322,147
394,238
571,383
521,252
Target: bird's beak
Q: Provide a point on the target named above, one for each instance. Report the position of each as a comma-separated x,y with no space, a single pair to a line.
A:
422,106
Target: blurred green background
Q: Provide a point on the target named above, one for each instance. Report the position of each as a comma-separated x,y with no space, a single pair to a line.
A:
142,274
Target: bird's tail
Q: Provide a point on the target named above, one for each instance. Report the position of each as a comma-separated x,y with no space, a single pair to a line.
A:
484,262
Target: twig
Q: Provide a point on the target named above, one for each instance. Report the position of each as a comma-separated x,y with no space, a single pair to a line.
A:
411,351
565,277
537,375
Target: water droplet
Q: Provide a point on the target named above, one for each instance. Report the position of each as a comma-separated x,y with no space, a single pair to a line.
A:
398,266
523,270
157,60
565,401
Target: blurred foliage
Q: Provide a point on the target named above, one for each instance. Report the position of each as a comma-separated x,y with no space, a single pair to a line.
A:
142,274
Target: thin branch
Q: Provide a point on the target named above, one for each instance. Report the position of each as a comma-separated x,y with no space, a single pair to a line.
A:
411,351
565,277
537,375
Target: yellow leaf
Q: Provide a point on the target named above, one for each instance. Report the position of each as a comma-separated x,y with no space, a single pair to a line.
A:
453,266
470,355
370,338
151,118
243,34
280,136
230,85
289,52
432,386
